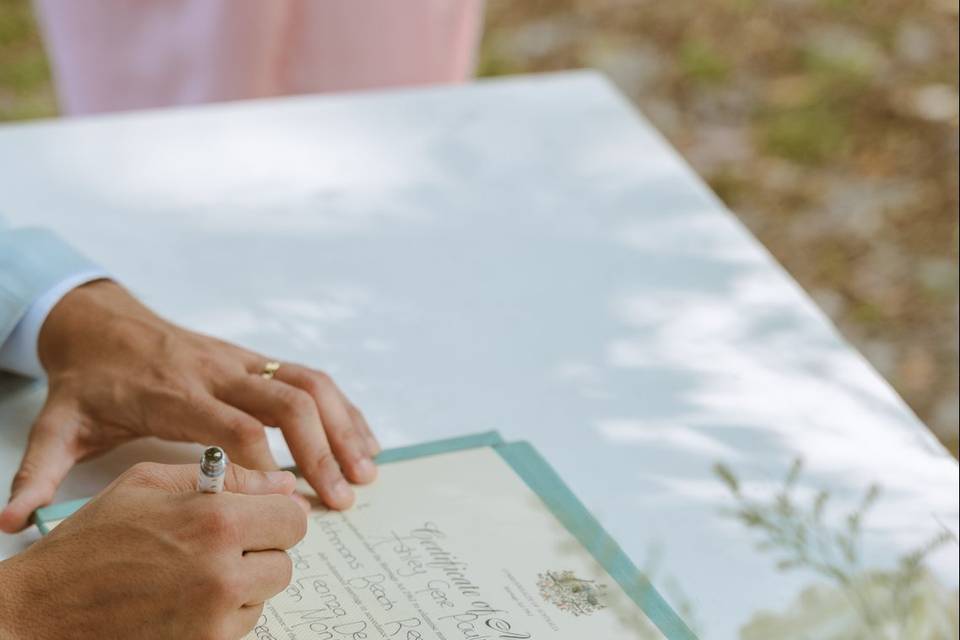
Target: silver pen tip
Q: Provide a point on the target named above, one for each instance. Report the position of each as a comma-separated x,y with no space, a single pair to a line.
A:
213,461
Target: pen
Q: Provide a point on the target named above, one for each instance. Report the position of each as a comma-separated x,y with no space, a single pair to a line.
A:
213,466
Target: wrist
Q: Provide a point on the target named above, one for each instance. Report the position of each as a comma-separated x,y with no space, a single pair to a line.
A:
81,317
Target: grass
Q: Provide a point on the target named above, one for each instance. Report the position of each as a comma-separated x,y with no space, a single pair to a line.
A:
25,87
809,135
701,63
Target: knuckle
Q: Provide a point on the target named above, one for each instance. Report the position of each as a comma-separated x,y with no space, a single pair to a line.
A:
346,438
298,405
355,413
324,467
322,379
246,432
220,525
190,396
231,587
23,475
206,361
237,477
142,473
326,459
310,385
227,587
353,437
351,447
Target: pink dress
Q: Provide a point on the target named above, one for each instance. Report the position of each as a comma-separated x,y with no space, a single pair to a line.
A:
110,55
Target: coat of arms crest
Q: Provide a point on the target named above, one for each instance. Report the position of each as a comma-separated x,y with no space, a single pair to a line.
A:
569,593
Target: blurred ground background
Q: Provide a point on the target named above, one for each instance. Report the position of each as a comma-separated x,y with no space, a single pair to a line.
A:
829,126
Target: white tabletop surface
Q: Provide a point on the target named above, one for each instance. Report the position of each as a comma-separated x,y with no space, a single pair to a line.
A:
525,255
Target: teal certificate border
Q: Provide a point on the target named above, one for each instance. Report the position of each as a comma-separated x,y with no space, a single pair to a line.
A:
542,480
45,516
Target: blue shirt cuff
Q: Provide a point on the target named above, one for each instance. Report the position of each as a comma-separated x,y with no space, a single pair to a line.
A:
19,352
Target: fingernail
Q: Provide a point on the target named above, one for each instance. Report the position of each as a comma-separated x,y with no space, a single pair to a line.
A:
373,447
341,491
365,469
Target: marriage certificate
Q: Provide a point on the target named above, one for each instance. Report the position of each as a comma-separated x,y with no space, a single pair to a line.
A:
451,546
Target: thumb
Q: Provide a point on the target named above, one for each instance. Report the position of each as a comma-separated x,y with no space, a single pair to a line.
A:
48,458
252,482
182,478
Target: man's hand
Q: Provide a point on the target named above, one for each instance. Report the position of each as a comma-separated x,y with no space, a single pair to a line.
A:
152,558
117,372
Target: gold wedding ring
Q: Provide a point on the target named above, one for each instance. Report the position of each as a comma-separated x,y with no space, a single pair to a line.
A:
269,370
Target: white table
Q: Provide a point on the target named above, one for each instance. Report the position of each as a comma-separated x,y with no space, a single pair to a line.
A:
525,255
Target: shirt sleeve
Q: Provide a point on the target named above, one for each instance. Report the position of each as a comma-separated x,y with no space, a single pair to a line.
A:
18,353
37,268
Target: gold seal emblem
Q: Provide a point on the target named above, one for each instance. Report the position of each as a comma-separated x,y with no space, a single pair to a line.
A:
569,593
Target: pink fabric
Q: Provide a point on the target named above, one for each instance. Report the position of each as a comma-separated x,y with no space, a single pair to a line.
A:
110,55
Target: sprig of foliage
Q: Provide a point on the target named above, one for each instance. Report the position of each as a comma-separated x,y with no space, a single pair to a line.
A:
800,536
